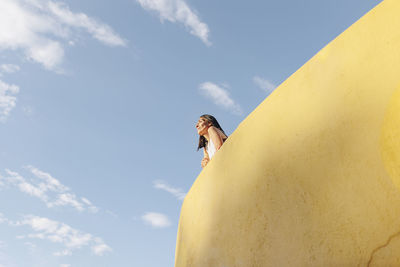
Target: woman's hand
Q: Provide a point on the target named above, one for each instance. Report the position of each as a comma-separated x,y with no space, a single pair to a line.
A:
204,162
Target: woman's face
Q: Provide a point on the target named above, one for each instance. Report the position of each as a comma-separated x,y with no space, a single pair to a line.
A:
202,126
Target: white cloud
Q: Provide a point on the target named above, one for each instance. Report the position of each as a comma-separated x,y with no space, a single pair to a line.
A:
48,189
49,53
62,253
57,232
177,192
264,84
178,11
50,183
220,97
92,208
98,30
41,28
67,199
65,265
9,68
7,99
100,248
157,220
2,218
32,190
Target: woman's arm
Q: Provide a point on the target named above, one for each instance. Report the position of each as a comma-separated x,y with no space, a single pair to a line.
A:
215,137
205,159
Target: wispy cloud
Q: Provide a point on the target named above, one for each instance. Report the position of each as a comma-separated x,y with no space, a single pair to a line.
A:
3,219
264,84
8,99
41,29
98,30
48,189
178,11
9,68
176,192
220,96
57,232
100,248
111,213
156,220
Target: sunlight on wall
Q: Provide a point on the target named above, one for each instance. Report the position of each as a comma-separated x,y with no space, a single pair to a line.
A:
312,176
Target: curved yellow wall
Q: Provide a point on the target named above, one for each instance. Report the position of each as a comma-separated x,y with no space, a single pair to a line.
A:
312,176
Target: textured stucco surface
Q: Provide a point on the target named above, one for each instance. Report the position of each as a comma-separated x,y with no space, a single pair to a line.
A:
312,176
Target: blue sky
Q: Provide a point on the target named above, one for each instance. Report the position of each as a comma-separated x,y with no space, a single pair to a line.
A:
98,105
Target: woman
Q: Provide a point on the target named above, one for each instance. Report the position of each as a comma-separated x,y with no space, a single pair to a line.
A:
211,137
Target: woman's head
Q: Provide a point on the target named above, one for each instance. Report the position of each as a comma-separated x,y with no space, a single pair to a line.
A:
202,125
206,121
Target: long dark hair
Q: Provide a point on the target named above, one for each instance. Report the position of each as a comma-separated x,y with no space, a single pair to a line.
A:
202,140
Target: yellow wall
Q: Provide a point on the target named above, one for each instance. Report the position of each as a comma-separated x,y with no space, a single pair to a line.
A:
312,176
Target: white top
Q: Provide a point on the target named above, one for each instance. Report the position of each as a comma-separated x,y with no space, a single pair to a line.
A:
211,148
